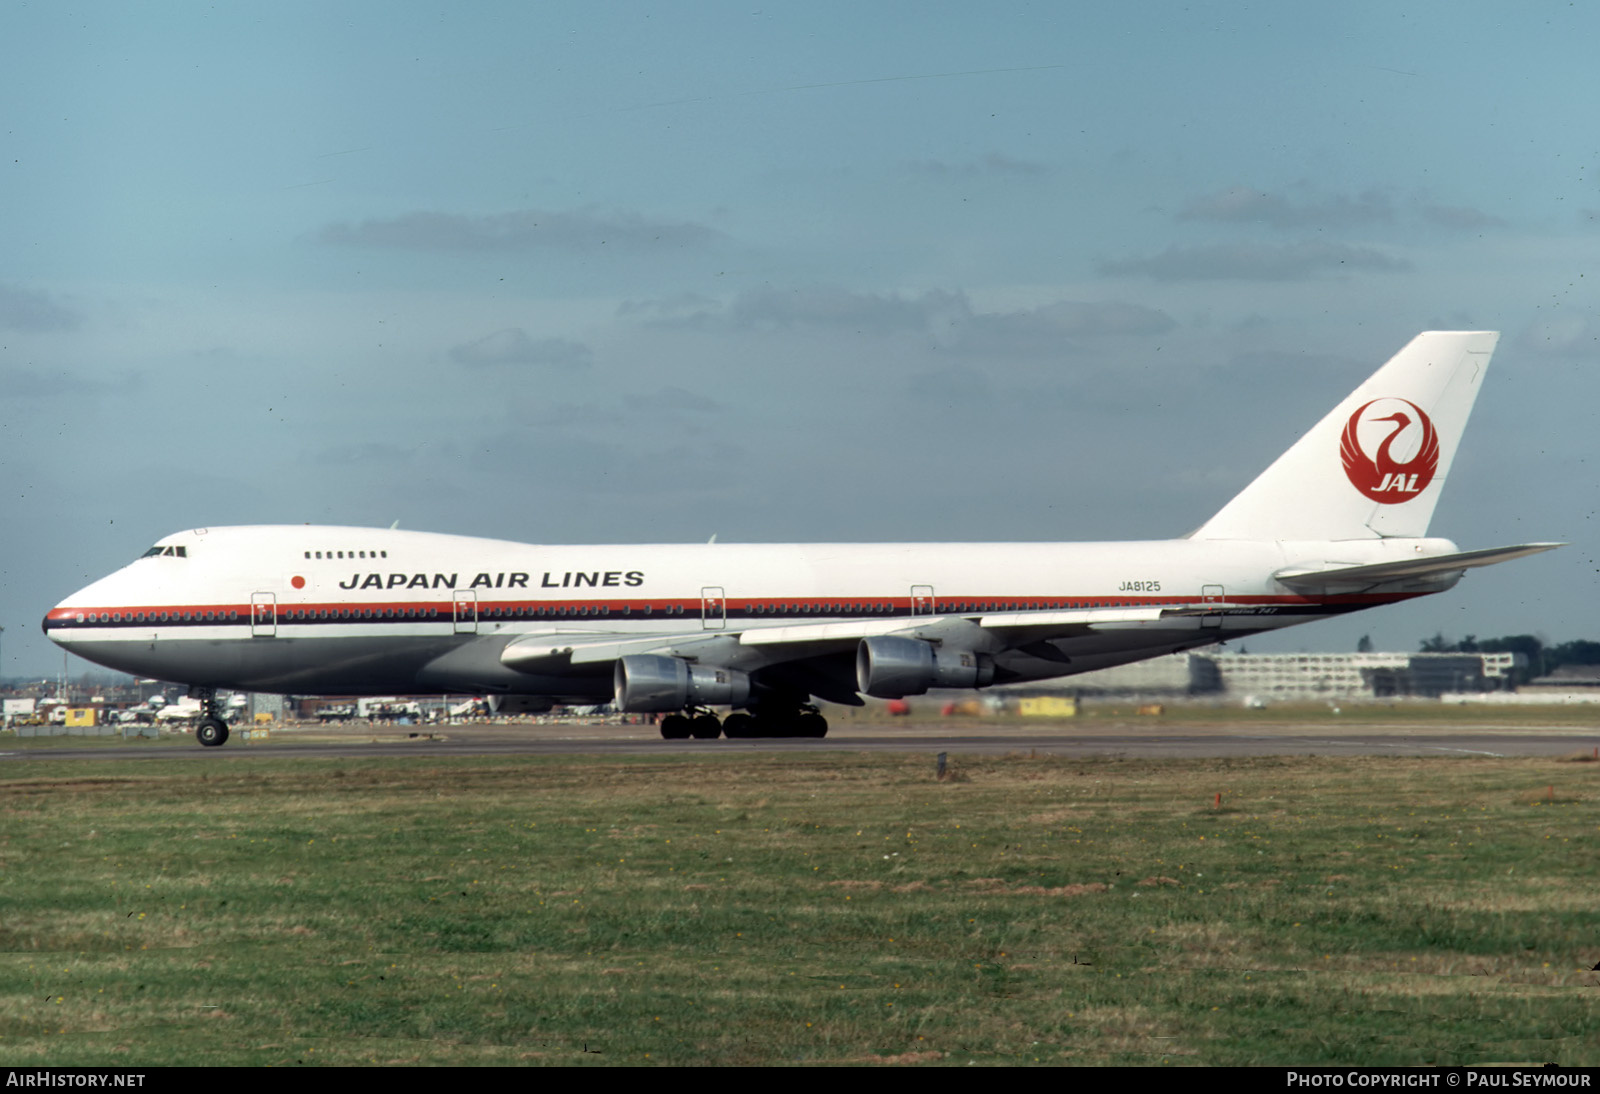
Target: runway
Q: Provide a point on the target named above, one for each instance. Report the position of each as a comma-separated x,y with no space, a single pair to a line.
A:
1133,741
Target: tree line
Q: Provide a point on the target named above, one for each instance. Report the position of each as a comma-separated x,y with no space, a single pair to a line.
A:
1542,659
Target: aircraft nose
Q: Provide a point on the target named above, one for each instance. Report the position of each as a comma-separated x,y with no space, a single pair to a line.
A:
62,622
58,622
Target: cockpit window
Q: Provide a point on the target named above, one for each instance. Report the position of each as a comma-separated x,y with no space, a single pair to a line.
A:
169,551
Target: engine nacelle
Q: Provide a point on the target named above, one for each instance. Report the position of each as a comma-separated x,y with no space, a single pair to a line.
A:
647,683
892,668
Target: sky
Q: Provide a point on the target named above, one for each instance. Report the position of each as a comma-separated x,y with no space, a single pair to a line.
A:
639,273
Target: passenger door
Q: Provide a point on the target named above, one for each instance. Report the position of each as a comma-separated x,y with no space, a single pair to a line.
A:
713,608
263,615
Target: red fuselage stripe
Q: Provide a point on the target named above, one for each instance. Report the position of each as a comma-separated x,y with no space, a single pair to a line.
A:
760,608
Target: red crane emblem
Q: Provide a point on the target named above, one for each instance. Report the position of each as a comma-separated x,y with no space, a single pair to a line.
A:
1384,478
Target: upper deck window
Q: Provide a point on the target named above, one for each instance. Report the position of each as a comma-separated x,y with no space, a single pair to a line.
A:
338,554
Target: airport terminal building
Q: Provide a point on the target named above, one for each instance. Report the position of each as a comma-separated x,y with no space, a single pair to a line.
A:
1301,676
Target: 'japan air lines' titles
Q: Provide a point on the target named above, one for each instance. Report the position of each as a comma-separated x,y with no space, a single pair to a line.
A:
569,579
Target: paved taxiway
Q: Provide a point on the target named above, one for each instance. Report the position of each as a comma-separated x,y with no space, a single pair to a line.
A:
1137,740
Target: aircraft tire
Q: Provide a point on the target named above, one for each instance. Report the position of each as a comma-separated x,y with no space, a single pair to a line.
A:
675,727
705,727
211,732
810,725
738,725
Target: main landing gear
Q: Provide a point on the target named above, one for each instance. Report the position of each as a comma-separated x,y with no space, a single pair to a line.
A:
766,721
211,730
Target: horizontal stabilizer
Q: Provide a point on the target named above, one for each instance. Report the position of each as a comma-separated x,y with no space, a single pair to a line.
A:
1411,569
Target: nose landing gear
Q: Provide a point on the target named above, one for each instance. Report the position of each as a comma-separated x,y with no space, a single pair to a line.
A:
211,731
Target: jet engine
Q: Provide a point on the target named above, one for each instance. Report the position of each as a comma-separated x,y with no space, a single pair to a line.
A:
647,682
892,668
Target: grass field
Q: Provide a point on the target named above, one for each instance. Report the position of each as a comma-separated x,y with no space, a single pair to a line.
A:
1100,714
799,909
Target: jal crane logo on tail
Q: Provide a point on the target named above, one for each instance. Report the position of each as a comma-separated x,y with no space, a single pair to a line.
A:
1407,450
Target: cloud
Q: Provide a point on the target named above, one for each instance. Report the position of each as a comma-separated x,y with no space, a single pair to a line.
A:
1253,262
949,318
1070,318
370,452
1246,205
1459,217
1567,335
828,306
1243,205
522,230
672,398
621,415
667,305
958,386
32,311
1272,376
992,164
678,472
27,383
513,346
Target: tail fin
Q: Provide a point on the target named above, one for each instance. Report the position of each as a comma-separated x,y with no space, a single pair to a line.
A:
1377,464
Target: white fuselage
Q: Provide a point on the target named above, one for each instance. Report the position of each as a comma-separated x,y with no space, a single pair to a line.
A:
366,611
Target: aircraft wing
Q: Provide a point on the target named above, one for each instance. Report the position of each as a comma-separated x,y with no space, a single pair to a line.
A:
937,626
554,652
1320,578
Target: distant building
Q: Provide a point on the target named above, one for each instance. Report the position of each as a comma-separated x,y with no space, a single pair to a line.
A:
1297,676
1364,675
1572,678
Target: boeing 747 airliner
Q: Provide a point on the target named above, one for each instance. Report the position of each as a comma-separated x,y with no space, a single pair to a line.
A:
1337,524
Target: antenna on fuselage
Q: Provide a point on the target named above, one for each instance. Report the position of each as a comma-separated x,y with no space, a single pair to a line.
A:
393,526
